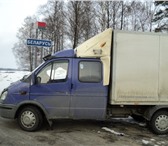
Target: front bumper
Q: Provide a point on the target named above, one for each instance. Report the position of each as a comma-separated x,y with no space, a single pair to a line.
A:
7,111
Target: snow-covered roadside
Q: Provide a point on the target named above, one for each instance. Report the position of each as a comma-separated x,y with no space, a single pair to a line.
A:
112,131
7,77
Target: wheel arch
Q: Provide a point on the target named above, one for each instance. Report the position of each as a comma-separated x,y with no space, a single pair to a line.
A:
152,110
32,103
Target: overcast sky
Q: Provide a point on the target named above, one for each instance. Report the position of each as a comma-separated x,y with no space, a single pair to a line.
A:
12,15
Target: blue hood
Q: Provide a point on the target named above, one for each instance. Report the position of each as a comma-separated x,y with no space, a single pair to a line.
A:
14,92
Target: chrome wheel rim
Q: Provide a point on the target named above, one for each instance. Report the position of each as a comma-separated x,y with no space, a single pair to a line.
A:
161,122
28,119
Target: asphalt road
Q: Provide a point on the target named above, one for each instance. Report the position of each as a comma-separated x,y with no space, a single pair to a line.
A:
81,133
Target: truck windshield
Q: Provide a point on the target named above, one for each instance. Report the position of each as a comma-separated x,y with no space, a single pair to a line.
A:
27,78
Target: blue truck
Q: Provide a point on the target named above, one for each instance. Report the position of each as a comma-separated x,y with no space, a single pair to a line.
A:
113,74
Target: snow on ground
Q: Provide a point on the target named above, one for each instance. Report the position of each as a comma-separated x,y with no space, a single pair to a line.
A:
112,131
7,77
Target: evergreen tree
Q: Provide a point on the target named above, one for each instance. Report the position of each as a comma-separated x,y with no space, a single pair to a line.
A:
161,16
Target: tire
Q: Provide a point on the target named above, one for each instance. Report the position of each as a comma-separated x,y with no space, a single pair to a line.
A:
159,122
30,118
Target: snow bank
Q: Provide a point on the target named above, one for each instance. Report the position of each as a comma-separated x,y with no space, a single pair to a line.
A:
7,77
112,131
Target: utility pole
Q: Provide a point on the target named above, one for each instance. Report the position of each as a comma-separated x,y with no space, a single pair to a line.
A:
41,57
30,50
35,60
40,26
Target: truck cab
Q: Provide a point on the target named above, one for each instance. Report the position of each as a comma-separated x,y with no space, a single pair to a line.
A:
63,87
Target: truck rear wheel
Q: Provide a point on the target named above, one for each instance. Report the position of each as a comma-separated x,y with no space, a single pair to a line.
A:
30,118
159,122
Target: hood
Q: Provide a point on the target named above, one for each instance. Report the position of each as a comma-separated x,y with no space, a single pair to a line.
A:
15,87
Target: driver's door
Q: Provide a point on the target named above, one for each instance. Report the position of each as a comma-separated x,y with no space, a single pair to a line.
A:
52,88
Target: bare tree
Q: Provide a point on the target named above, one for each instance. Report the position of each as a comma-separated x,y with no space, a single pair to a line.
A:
73,17
161,16
87,22
22,52
71,23
109,14
140,15
53,13
79,21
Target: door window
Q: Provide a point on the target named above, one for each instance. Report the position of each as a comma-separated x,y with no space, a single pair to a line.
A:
53,72
90,71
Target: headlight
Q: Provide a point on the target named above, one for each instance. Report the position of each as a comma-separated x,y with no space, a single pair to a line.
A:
3,95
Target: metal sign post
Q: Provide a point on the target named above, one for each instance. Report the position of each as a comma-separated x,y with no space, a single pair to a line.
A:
37,42
35,63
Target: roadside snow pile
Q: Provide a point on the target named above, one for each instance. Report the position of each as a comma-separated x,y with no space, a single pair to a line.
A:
145,141
130,120
112,131
153,142
7,77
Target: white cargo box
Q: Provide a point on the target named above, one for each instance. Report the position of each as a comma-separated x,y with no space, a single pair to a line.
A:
137,62
139,68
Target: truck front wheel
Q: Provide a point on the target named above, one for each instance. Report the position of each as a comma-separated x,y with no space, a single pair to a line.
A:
159,122
30,118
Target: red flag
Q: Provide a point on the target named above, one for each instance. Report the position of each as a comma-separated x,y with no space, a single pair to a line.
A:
41,25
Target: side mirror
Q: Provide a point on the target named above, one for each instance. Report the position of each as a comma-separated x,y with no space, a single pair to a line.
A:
38,80
24,77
